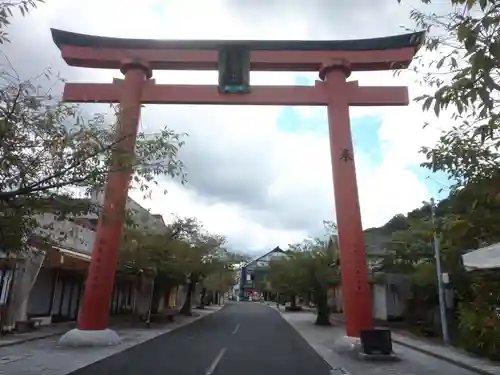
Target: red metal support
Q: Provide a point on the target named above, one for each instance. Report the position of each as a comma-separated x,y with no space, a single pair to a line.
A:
356,294
99,286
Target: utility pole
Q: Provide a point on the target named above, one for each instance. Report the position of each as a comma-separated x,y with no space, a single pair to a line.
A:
442,299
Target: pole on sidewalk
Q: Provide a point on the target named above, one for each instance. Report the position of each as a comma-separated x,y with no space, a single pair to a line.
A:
148,320
442,299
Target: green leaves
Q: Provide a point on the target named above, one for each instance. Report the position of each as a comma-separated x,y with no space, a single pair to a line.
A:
7,9
50,149
466,82
181,250
309,265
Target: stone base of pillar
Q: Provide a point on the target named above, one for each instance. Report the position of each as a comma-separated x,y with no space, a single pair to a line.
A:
79,338
345,344
352,346
379,357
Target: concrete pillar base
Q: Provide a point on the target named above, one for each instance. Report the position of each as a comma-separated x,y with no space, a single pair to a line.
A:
347,344
79,338
352,346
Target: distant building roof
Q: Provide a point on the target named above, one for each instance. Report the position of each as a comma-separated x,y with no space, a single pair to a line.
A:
486,258
277,249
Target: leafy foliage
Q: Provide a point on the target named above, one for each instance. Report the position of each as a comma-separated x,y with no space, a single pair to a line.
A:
183,253
50,148
7,9
308,270
479,327
465,81
465,220
49,145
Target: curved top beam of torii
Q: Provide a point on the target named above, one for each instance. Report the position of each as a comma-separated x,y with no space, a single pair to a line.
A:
386,53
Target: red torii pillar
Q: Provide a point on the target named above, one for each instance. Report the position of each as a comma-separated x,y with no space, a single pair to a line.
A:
136,58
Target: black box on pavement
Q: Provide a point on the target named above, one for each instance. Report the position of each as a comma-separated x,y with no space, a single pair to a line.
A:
376,342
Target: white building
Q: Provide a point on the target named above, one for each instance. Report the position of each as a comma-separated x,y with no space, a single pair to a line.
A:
48,285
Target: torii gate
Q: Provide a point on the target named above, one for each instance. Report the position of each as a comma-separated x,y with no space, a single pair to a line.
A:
333,60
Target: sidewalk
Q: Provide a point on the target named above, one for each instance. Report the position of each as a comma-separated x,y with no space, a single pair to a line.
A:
45,357
452,355
58,329
414,360
41,333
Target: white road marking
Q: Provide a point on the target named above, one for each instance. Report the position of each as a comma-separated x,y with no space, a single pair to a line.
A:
236,329
339,371
216,361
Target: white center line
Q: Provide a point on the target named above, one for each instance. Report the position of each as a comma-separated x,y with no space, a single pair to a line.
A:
216,361
236,329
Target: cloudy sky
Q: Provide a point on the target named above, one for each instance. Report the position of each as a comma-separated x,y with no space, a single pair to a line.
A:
260,176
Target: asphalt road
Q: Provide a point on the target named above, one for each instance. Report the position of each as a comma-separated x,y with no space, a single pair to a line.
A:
242,339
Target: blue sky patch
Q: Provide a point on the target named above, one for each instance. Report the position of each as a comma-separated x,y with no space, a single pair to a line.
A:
158,7
364,129
365,136
303,80
437,183
290,120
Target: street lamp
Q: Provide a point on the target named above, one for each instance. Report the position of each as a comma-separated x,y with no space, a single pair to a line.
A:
441,292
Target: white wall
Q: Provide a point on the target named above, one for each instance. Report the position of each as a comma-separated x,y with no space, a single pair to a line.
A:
66,233
379,301
74,236
395,304
338,298
142,216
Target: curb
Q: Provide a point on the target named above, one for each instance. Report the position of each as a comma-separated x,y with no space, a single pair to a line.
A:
52,334
41,337
444,358
435,355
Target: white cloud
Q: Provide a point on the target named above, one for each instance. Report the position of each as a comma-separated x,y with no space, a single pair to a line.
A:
256,185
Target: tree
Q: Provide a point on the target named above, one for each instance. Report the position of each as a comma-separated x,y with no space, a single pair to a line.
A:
409,248
183,253
200,260
284,276
465,81
220,279
161,252
7,9
308,270
50,148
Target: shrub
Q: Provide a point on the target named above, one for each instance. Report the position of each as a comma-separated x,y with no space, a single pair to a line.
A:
479,330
